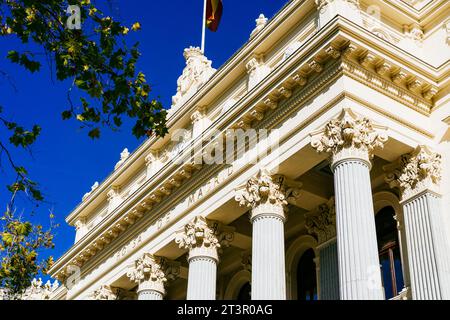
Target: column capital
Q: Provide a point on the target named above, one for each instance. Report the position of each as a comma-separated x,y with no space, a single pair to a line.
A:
415,172
322,222
204,238
267,194
152,272
105,292
349,137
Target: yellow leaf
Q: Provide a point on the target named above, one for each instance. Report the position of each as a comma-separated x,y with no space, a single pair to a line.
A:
136,26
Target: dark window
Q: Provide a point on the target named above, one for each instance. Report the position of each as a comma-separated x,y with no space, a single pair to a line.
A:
389,251
306,277
244,293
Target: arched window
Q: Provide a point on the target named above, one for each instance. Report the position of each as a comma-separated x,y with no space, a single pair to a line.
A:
306,277
389,252
245,292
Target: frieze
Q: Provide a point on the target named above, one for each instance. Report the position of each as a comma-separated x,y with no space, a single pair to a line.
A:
128,247
209,186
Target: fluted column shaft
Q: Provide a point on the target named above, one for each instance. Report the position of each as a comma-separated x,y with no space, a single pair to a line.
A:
329,275
202,275
203,238
359,265
418,175
427,248
268,196
268,256
351,141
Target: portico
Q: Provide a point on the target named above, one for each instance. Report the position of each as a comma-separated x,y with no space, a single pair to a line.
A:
343,200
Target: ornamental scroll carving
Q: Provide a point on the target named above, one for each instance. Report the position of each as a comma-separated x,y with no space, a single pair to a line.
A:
322,222
349,136
414,172
197,72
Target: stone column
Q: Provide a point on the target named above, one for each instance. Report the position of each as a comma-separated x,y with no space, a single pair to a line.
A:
417,175
203,238
152,274
267,196
351,140
322,224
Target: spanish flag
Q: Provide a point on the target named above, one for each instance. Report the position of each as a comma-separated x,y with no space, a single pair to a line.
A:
214,10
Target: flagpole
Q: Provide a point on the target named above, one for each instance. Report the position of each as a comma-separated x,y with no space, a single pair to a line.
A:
204,26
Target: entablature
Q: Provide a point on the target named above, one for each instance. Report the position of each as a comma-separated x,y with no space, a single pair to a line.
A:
346,47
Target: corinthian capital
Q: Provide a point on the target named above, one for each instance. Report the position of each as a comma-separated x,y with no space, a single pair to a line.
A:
147,268
349,136
105,292
322,222
204,237
264,189
415,172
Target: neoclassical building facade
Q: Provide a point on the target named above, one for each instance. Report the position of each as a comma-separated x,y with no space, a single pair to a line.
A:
314,164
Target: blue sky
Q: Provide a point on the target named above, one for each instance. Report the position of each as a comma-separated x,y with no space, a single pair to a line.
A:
64,160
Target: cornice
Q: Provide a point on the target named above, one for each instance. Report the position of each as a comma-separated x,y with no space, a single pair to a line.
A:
288,77
242,54
422,15
431,74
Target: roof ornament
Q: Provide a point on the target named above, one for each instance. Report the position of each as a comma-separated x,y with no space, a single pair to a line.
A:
123,156
260,24
93,187
197,72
